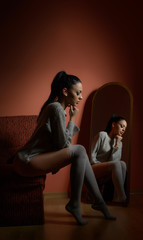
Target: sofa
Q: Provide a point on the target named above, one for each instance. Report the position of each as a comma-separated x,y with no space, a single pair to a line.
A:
21,198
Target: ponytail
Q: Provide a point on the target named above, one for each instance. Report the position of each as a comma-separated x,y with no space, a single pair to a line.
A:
60,81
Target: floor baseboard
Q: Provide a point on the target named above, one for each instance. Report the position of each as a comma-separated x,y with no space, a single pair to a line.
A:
56,195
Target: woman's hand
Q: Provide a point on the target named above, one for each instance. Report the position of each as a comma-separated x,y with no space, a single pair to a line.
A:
73,112
118,140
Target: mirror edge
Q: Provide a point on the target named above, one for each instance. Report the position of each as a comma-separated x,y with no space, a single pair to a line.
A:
130,125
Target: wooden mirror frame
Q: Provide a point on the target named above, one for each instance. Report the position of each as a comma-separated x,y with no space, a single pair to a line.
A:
113,98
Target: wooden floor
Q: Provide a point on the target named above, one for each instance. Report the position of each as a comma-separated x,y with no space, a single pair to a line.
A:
60,225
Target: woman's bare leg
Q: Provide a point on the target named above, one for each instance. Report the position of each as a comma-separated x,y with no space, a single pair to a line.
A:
101,170
43,163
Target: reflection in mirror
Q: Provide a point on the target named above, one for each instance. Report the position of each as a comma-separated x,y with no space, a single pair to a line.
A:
112,98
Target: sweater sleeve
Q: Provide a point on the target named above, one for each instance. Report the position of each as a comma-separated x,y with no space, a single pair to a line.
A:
61,135
95,148
116,153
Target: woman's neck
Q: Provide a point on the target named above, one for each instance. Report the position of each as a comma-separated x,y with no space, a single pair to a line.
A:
63,104
111,135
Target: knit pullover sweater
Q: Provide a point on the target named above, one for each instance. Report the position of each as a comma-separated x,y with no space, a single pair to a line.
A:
51,133
103,149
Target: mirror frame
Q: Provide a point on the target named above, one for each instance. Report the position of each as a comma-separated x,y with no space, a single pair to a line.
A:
129,127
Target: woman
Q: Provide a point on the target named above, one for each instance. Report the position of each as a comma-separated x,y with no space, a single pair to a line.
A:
106,153
50,149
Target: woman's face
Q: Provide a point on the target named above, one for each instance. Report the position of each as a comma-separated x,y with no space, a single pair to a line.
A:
119,127
74,95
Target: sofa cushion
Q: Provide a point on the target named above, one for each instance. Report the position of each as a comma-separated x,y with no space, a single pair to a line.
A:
15,131
21,198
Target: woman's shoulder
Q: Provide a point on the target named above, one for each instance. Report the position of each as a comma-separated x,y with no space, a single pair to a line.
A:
102,134
55,108
52,111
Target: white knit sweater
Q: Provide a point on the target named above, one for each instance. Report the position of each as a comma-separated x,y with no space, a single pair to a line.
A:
50,134
103,150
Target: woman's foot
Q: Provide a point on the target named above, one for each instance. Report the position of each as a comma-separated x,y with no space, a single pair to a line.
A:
103,208
121,200
119,203
76,212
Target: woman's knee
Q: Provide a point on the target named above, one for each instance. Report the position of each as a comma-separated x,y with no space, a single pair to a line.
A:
115,164
77,151
118,165
123,164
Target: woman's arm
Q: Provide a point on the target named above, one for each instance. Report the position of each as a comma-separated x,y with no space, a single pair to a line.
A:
95,148
61,135
116,152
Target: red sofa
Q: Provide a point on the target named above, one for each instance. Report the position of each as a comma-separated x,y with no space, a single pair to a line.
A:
21,198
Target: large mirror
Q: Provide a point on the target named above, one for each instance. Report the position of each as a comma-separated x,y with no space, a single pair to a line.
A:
113,98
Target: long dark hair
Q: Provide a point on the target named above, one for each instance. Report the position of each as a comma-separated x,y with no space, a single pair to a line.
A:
60,81
115,118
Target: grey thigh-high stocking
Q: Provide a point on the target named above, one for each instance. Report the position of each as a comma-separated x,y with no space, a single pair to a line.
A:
124,170
81,170
91,184
78,165
118,178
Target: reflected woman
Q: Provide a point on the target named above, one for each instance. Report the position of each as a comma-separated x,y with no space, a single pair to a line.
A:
106,151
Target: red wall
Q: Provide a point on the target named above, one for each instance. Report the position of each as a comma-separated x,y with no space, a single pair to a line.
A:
98,42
